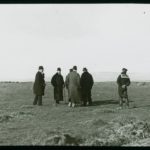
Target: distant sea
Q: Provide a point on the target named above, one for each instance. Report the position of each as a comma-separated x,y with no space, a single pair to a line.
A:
112,76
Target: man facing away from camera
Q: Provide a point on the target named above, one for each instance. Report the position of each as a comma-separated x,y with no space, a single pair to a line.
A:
73,82
86,87
39,86
58,83
123,82
66,84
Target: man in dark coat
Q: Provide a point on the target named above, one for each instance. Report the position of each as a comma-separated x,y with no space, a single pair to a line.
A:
58,83
39,86
67,84
86,87
123,82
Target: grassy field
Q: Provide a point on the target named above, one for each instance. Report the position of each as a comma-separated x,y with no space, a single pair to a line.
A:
21,123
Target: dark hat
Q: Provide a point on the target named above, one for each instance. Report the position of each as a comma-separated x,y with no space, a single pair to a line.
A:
124,69
41,67
75,67
59,69
84,69
71,70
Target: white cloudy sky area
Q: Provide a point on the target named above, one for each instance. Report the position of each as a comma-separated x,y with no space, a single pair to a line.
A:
101,37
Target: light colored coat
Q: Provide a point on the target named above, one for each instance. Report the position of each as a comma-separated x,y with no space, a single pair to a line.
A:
73,82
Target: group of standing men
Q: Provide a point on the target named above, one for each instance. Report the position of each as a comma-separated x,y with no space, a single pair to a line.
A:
79,88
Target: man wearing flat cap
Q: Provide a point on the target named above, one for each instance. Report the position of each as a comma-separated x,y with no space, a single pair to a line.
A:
86,87
123,82
67,84
39,86
58,83
73,82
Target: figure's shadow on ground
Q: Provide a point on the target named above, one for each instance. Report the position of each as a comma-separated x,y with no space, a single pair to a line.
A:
105,102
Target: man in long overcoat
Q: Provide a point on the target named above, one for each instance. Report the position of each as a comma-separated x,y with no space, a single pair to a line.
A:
39,86
66,84
123,82
86,87
58,83
74,87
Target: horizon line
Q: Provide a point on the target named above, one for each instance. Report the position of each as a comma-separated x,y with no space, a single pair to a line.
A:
14,81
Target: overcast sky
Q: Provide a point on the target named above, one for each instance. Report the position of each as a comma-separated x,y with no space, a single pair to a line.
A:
101,37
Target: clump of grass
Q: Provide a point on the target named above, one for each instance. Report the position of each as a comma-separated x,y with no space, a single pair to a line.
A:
21,114
57,138
5,118
119,133
63,139
115,133
99,122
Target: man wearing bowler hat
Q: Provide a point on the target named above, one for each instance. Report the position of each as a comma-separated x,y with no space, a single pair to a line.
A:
39,86
58,83
86,87
123,82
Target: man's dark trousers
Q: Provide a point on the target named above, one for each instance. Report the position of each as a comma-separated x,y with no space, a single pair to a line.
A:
86,96
38,99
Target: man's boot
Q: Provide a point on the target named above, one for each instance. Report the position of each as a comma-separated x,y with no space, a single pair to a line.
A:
121,103
127,102
73,104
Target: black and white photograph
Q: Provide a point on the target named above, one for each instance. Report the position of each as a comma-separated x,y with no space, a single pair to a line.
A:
75,75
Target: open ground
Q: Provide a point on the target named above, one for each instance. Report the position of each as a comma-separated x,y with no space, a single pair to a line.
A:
21,123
